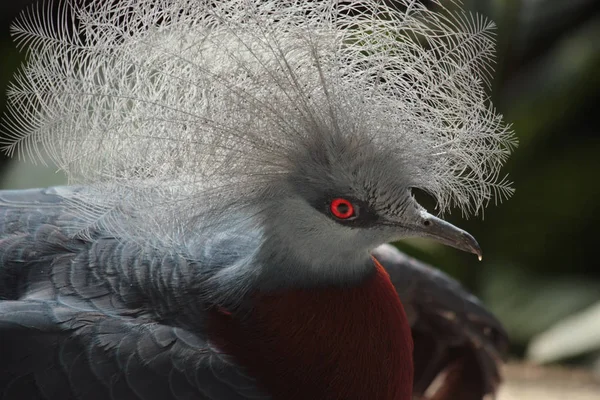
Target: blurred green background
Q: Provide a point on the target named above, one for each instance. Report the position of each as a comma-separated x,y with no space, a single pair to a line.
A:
540,264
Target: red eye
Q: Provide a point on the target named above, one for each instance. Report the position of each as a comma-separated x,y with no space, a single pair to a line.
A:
342,208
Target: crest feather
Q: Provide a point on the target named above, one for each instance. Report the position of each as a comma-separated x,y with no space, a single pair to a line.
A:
167,110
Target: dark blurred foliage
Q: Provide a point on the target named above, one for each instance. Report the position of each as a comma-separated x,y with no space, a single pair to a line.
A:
540,255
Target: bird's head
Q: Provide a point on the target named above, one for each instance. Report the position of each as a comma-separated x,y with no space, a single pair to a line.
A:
316,117
343,196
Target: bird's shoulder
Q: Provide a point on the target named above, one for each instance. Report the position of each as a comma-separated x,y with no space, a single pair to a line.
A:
44,253
96,316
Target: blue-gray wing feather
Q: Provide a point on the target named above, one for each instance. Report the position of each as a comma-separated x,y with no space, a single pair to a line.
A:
453,332
92,318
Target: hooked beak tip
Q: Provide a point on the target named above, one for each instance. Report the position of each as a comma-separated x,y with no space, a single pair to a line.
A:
459,239
448,234
475,248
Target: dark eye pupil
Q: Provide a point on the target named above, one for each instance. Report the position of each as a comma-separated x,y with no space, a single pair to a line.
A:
343,208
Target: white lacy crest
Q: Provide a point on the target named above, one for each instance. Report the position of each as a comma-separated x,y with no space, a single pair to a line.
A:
167,109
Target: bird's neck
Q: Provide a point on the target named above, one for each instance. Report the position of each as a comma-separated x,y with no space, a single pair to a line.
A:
326,343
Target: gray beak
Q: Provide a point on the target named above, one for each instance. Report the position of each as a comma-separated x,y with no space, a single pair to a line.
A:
423,224
448,234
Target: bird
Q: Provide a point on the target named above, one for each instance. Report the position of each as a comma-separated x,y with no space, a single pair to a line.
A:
235,170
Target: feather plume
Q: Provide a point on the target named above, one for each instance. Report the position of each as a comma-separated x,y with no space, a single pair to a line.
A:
168,112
